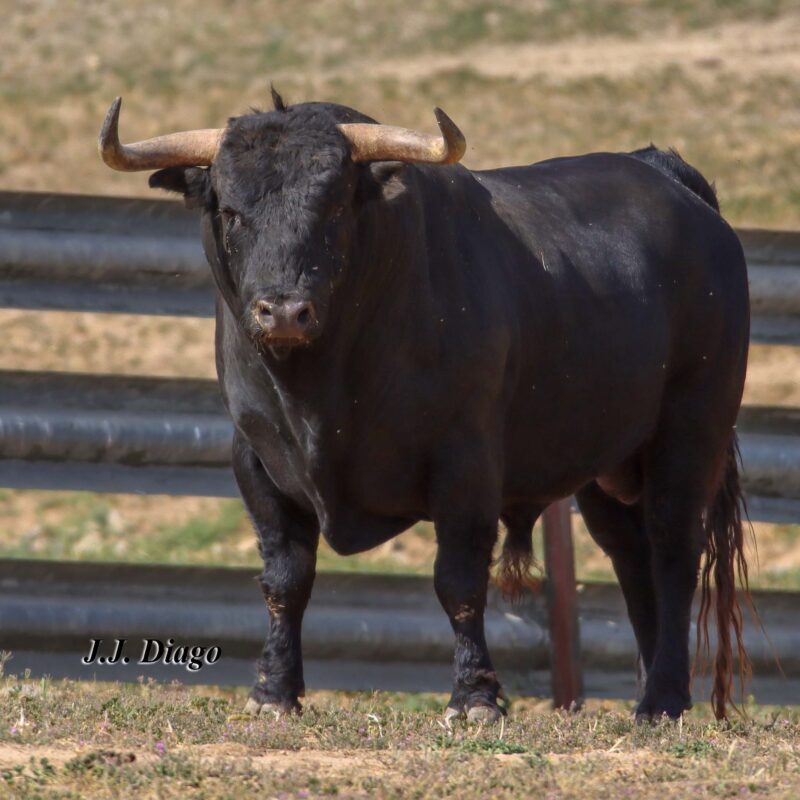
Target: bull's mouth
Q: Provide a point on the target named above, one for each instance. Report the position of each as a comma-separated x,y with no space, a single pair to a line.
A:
281,352
281,347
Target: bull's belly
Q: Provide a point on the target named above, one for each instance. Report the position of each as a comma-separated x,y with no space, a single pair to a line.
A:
366,493
351,529
356,524
547,465
392,501
540,485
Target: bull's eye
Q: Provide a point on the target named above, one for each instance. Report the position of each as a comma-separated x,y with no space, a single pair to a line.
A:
231,219
231,222
333,228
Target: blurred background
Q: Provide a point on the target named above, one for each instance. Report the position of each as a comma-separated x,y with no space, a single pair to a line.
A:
525,80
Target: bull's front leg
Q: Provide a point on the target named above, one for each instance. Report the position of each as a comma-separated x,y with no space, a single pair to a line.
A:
461,576
287,540
465,510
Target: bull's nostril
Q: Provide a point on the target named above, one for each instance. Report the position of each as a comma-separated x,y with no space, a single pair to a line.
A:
288,319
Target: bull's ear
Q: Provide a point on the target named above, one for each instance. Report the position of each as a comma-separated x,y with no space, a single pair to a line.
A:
192,182
389,176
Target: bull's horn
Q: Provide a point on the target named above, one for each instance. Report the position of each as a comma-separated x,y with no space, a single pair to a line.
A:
388,143
184,149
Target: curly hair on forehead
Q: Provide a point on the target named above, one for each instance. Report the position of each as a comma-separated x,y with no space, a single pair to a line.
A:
268,151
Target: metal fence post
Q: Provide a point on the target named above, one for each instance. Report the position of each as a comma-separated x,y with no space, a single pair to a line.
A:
562,605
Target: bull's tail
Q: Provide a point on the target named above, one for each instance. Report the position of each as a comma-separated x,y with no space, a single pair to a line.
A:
517,562
725,561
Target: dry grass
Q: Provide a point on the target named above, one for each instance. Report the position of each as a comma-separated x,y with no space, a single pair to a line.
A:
718,79
63,739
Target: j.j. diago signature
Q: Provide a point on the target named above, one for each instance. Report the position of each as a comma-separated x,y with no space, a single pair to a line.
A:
154,651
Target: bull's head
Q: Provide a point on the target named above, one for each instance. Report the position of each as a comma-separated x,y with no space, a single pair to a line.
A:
281,194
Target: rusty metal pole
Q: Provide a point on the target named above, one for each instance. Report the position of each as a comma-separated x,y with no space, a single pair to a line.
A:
562,604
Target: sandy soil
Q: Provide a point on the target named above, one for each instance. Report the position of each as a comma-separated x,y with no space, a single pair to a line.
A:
330,764
327,763
742,48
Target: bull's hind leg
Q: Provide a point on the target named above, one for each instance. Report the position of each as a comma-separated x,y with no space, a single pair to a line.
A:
619,530
681,470
287,540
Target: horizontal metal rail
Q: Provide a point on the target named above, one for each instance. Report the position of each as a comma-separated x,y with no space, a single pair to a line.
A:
773,262
83,253
173,436
360,632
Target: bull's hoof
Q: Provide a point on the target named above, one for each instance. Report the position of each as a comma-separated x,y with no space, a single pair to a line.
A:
485,715
476,715
649,718
270,708
477,702
666,706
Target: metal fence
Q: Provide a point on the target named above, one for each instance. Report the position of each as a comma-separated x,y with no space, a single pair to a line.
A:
172,436
360,631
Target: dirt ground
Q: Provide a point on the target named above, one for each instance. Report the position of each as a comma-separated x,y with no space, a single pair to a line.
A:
104,740
768,48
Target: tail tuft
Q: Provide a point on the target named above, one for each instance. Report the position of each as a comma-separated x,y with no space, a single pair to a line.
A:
517,560
724,562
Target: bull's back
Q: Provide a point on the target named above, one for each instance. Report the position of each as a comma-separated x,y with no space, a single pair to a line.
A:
632,279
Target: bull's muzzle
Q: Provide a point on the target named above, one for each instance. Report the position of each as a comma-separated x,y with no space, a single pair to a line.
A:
286,322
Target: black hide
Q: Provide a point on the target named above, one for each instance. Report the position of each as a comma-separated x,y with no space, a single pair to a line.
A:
487,343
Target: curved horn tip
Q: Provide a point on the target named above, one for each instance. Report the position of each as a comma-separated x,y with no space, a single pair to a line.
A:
456,143
108,140
439,113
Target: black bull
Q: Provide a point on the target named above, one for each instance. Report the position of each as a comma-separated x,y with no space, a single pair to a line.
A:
401,343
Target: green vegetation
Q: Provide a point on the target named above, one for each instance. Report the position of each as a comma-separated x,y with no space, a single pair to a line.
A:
86,526
95,527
